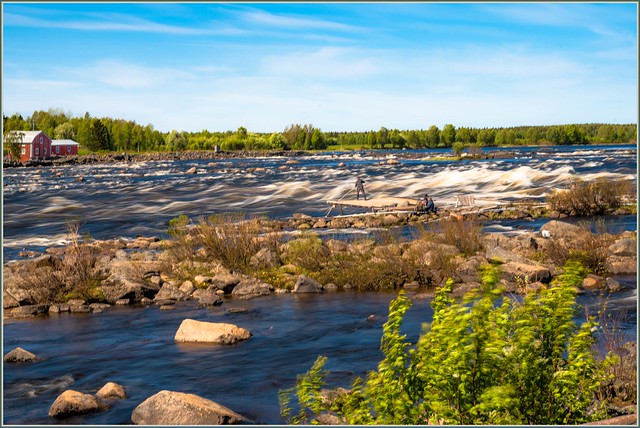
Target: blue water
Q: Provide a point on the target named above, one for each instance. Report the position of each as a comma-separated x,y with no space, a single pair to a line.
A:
134,346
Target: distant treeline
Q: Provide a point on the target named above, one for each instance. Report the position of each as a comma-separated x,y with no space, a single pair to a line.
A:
108,134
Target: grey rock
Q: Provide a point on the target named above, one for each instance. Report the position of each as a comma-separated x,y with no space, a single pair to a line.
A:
207,297
304,284
179,408
29,311
253,287
624,247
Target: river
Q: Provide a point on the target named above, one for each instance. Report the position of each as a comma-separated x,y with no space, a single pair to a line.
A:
134,346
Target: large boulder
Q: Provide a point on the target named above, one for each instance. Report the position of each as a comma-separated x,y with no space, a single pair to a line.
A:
304,284
515,272
225,282
624,247
251,287
506,256
19,355
209,332
73,402
111,391
622,265
125,280
562,230
179,408
207,297
29,311
266,257
170,291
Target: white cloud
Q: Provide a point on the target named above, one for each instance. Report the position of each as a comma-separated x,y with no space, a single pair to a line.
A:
103,22
324,63
292,21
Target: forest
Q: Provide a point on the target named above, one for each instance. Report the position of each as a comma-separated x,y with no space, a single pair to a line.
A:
106,134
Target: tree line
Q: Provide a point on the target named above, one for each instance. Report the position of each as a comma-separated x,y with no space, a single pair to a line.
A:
108,134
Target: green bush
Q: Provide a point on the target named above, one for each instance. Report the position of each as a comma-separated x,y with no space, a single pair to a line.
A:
488,359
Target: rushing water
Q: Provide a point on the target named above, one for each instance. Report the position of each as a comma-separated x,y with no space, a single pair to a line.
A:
140,198
134,346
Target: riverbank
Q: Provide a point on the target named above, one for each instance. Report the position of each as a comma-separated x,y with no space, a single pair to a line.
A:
115,158
171,275
256,251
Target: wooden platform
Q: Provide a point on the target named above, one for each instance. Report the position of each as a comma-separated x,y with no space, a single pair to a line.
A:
376,204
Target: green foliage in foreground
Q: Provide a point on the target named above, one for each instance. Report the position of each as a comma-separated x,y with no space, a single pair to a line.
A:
488,359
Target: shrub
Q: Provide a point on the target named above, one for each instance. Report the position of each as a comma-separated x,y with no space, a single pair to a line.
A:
464,235
590,249
590,198
488,359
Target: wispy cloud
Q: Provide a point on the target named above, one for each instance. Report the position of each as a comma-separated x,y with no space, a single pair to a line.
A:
103,22
326,63
123,75
292,21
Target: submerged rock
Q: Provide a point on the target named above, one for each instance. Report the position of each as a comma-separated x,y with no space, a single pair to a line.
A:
208,332
179,408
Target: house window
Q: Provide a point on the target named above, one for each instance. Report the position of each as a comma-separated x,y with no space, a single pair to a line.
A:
58,149
68,149
24,151
45,151
41,139
37,151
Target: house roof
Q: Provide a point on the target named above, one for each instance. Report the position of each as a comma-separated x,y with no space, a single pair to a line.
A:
64,143
29,136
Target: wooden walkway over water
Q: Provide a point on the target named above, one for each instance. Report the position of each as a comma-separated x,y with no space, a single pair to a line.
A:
376,204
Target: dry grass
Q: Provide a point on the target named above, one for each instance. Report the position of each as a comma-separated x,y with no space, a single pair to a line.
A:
590,198
590,249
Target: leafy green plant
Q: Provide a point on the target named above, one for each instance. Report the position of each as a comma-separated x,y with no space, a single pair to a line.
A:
487,359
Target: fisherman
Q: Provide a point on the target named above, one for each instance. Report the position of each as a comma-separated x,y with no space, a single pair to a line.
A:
360,188
430,206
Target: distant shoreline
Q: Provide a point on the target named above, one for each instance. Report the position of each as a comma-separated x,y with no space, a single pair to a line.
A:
108,158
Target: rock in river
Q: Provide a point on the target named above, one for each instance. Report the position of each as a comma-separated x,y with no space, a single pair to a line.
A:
304,284
73,402
209,332
179,408
19,355
111,390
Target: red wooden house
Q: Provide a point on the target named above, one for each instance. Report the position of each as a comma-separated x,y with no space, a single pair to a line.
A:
33,144
64,147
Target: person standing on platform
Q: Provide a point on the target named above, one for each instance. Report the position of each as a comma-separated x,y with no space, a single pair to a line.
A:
360,188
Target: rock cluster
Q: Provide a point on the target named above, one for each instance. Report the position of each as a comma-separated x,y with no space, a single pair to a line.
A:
140,270
72,402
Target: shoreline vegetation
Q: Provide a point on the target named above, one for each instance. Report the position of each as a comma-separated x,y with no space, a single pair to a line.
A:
97,136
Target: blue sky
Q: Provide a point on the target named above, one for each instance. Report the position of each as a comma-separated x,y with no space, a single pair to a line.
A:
338,66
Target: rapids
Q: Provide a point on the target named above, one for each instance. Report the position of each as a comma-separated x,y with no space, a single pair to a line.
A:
130,199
